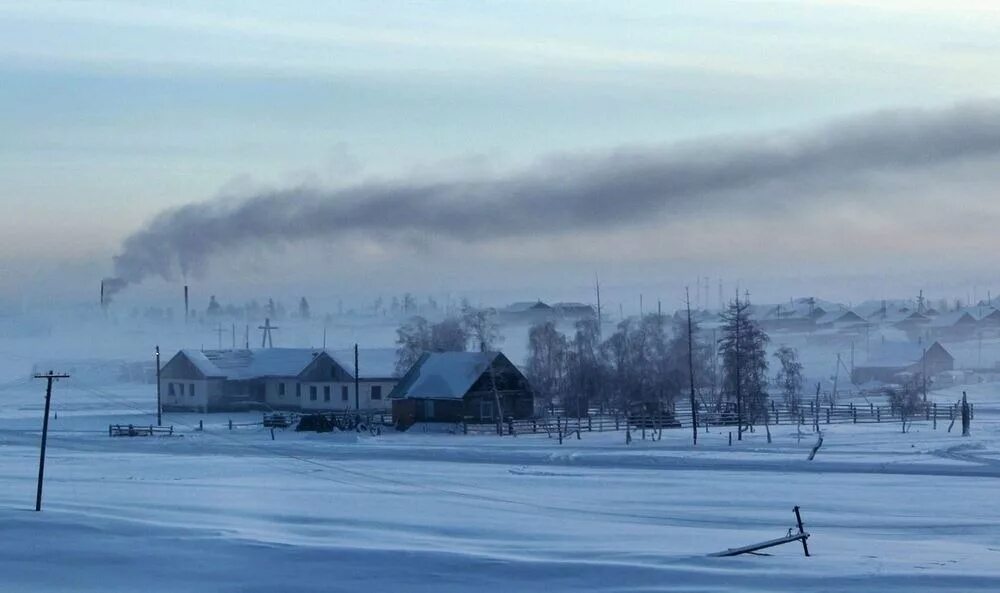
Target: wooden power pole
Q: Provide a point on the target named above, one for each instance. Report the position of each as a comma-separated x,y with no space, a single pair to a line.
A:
159,407
694,403
50,377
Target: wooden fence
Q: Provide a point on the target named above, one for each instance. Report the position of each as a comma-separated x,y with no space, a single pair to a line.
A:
131,430
680,417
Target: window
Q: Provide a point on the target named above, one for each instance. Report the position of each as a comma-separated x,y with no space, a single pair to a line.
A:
191,390
486,409
312,393
298,390
170,390
343,393
428,409
376,392
281,390
326,393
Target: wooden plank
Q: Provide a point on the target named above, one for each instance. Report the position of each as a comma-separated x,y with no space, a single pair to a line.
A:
762,545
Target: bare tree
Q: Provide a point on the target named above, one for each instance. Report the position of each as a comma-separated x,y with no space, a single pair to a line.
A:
413,339
546,368
905,400
482,327
448,336
789,377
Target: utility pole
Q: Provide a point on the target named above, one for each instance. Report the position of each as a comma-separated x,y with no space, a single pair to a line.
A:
357,382
159,419
694,403
597,285
50,376
265,339
218,331
739,399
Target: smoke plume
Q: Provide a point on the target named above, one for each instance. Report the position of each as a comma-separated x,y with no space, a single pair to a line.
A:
787,170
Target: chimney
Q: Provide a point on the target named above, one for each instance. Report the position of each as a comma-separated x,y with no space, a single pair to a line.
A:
187,308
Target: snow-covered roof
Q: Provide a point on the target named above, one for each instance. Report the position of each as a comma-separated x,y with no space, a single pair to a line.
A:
898,354
522,307
839,317
952,318
247,364
443,375
287,362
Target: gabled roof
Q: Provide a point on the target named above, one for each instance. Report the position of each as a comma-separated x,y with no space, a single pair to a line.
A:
287,362
899,354
951,319
839,317
525,306
444,375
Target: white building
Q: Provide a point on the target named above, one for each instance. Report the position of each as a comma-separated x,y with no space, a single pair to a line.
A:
301,379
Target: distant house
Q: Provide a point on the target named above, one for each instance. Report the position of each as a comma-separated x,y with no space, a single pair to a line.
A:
574,310
527,312
893,362
840,320
300,379
955,325
457,386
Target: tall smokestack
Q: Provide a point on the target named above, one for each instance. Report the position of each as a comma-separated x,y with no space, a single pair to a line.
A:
102,295
187,308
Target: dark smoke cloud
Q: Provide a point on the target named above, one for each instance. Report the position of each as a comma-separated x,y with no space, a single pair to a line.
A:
569,193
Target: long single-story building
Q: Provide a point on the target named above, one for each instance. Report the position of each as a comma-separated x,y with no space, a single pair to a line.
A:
895,361
457,386
298,379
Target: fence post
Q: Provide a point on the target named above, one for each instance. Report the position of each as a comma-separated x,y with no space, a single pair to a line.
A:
230,424
854,413
590,424
109,430
730,438
534,426
828,415
616,422
935,415
201,425
878,414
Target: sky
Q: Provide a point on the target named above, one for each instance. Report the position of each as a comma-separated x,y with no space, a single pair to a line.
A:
376,131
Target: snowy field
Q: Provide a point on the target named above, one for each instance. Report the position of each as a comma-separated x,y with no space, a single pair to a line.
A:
224,510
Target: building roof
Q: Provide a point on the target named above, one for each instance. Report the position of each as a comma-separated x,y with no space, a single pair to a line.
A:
525,306
839,317
287,362
443,375
893,355
951,319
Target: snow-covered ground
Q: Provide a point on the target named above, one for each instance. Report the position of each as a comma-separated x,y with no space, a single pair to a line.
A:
224,510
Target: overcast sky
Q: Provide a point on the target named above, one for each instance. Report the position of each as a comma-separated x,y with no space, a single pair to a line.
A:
113,113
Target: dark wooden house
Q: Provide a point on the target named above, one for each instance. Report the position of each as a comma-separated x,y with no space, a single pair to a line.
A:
457,386
895,362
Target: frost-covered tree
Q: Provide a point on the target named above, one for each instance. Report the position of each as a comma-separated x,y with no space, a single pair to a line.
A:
448,335
789,377
413,339
546,366
677,358
482,327
905,400
586,377
304,308
743,349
